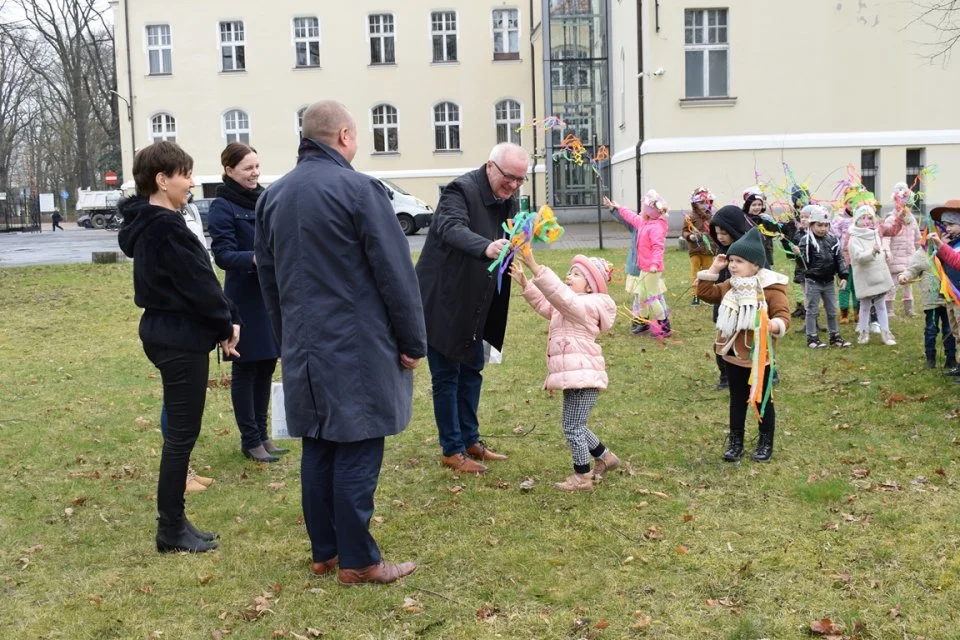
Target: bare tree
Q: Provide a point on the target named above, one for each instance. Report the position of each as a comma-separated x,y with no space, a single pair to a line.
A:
15,89
944,17
78,40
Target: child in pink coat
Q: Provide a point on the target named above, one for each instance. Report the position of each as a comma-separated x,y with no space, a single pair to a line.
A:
899,248
651,225
578,311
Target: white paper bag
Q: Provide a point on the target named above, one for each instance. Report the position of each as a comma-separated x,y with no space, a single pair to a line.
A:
279,417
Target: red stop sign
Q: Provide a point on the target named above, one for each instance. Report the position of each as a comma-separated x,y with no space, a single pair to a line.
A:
110,178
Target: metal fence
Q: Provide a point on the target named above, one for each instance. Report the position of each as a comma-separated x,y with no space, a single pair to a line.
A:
19,212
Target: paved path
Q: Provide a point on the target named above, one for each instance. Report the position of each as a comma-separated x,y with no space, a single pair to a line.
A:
75,245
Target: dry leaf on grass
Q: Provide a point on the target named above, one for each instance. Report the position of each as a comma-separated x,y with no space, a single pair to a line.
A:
526,484
682,549
687,518
411,606
653,533
860,473
895,612
276,486
826,626
603,624
486,613
642,620
204,578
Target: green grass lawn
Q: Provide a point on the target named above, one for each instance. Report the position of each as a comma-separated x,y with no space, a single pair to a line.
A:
857,518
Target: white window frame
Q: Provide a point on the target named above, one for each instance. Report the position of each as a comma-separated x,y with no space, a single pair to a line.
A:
444,33
385,127
298,120
446,125
622,120
306,41
382,36
233,44
512,125
168,125
160,48
239,131
504,32
707,47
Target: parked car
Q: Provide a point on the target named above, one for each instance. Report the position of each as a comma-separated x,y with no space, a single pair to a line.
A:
203,208
413,213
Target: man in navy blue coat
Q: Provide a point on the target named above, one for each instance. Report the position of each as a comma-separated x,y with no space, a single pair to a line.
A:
342,296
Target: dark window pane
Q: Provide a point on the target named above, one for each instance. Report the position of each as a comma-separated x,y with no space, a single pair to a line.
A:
718,73
437,48
375,51
439,140
378,139
314,53
301,54
392,143
694,73
241,59
388,43
502,133
451,47
227,58
454,136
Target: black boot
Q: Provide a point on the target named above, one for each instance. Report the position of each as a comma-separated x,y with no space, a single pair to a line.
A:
764,446
723,384
695,302
207,536
173,535
734,447
799,312
932,361
950,363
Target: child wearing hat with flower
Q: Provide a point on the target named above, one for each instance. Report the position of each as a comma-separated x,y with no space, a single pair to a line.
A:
578,310
871,276
754,312
899,248
651,226
696,230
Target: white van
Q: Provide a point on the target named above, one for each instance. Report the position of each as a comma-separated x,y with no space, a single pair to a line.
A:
413,213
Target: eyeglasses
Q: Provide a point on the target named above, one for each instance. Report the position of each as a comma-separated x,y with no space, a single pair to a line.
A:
509,176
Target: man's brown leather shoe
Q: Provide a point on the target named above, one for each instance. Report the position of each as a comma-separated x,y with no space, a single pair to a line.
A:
463,464
480,451
383,573
325,567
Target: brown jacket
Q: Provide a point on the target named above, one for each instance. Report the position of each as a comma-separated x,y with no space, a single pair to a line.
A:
778,308
696,231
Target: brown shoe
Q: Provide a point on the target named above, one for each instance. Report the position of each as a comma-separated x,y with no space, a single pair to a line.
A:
463,464
325,567
480,451
607,462
576,482
383,573
192,485
204,481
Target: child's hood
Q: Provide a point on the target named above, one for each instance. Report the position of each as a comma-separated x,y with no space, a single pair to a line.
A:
731,219
605,306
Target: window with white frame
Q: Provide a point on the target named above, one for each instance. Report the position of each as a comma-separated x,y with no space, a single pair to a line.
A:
306,41
706,53
446,127
159,49
383,117
163,126
300,112
570,67
443,29
232,46
506,34
236,126
508,121
869,168
382,33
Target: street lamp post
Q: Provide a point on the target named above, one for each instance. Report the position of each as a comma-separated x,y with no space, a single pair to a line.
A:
133,135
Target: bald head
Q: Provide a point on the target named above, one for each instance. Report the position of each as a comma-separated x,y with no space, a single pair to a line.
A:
325,120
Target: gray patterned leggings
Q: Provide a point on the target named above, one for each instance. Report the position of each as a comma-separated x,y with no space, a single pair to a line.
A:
577,404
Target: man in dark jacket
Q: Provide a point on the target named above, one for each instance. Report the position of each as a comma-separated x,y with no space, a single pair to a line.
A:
342,297
460,298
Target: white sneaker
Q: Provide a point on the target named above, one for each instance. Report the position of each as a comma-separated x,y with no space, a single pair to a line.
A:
888,339
863,336
874,327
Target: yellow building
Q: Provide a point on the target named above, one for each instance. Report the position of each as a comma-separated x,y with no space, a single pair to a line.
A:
733,89
433,87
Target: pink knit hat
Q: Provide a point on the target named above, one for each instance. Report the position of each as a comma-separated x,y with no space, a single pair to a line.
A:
597,271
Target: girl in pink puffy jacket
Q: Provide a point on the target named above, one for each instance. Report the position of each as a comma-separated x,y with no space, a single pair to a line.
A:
578,310
898,249
651,225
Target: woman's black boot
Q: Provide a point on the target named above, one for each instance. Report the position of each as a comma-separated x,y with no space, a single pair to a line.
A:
207,536
173,536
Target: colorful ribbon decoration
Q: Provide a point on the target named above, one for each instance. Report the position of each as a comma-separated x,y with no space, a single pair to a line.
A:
523,229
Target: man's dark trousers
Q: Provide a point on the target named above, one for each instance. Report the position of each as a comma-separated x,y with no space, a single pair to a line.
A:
338,483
